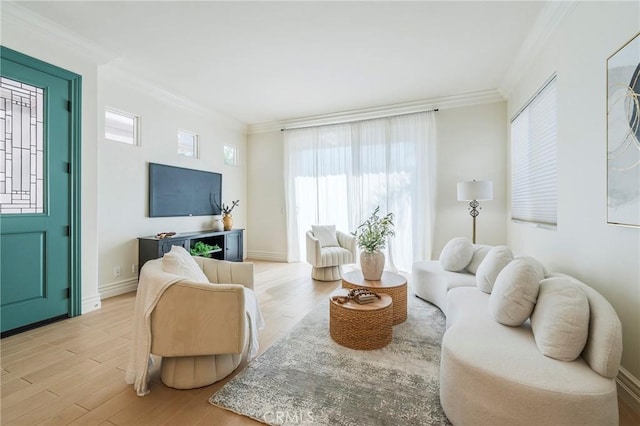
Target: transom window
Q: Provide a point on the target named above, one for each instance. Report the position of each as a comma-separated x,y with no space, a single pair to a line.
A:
121,126
230,155
188,144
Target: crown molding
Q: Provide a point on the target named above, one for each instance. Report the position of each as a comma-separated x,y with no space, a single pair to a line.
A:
117,73
550,17
13,13
444,102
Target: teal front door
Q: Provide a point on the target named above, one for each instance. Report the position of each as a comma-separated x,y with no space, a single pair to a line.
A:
37,204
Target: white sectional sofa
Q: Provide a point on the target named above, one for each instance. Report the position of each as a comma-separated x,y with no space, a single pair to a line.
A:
497,374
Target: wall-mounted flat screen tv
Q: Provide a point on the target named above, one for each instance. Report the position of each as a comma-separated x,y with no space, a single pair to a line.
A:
176,191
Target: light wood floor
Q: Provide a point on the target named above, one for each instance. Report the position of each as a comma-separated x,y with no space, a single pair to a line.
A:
72,372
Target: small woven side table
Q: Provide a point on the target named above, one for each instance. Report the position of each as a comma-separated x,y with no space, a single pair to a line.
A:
395,285
358,326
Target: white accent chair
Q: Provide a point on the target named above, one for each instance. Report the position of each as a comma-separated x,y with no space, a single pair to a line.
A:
327,259
201,330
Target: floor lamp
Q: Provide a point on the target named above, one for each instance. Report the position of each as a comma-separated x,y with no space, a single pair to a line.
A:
474,191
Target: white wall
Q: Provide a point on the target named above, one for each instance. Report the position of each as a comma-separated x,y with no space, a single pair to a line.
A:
40,44
123,171
471,145
265,180
604,256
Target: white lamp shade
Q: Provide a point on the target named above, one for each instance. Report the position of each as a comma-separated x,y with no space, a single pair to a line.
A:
478,190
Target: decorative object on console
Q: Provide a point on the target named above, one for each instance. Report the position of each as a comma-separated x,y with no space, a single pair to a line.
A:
229,208
371,237
204,250
226,210
227,221
217,223
474,191
163,235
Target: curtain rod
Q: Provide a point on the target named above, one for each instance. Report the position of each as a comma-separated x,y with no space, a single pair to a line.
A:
355,121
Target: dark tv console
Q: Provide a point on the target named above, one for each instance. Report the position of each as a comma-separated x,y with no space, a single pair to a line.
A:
229,241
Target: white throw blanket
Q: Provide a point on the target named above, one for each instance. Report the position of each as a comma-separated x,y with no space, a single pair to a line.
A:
256,321
153,283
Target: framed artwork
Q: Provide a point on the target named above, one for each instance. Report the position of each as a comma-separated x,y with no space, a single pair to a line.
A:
623,135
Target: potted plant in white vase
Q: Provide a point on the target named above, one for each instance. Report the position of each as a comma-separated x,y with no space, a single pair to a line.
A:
371,237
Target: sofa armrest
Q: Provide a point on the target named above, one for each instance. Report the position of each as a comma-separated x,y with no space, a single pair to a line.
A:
224,272
199,319
347,241
314,255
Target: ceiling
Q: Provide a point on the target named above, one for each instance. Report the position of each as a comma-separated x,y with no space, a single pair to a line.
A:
271,61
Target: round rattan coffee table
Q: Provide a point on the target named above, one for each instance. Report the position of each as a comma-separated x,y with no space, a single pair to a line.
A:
395,285
358,326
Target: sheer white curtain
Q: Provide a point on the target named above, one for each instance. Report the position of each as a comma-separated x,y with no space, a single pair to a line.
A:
338,174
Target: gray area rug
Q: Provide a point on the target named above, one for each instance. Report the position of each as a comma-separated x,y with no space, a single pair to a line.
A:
307,378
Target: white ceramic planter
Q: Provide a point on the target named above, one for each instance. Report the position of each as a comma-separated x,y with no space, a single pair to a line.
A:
372,265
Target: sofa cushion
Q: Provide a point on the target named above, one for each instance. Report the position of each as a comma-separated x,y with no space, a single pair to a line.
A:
534,262
560,320
179,262
497,258
603,350
326,234
456,254
479,253
515,292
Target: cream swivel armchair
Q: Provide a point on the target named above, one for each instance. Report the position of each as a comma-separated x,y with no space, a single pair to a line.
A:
327,250
201,330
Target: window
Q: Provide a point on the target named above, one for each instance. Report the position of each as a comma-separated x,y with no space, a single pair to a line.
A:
338,174
22,148
187,144
230,155
534,177
121,127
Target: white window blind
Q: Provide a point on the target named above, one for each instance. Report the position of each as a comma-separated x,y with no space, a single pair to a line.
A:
534,177
121,127
188,144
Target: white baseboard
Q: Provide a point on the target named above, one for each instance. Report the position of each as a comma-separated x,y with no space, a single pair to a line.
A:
92,303
629,387
267,255
118,287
